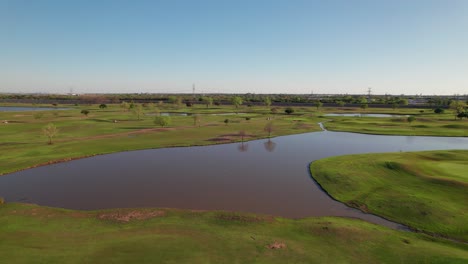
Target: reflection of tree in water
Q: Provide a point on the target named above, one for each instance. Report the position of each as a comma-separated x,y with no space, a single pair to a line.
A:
269,145
243,147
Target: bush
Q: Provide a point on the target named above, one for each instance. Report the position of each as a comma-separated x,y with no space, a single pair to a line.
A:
162,121
247,118
226,121
102,106
439,110
289,110
85,112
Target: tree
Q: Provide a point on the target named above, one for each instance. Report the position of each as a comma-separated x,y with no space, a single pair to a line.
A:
394,105
269,128
267,101
364,106
318,104
458,107
196,120
208,101
226,121
85,112
341,103
125,106
289,110
138,111
410,119
102,106
50,131
236,101
242,134
162,121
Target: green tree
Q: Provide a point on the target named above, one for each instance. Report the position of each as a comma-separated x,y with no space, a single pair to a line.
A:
162,121
318,104
138,111
236,101
125,106
102,106
267,101
208,101
196,120
341,103
85,112
364,106
410,119
50,131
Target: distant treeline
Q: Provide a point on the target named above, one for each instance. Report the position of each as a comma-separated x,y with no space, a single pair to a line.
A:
247,99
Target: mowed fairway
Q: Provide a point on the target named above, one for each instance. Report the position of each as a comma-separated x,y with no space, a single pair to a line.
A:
33,234
113,129
427,191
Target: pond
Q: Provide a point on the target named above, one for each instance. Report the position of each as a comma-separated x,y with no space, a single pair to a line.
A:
365,115
22,108
260,176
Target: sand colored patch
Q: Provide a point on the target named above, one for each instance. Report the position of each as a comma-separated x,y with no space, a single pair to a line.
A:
129,215
277,245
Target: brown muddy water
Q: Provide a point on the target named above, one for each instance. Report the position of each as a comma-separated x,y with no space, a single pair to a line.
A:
260,176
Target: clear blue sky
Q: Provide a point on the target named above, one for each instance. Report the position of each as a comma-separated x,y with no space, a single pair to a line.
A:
236,46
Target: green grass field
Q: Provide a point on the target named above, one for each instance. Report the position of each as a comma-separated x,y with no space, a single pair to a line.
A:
427,191
33,234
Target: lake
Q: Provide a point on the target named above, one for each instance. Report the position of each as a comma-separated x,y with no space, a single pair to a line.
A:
260,176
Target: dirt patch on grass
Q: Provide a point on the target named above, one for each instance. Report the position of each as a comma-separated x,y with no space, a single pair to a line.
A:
276,245
130,215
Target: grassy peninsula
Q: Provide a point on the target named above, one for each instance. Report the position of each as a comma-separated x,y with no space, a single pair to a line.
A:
424,190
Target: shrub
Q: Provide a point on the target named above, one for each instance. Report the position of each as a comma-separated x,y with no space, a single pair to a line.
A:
85,112
162,120
439,110
289,110
102,106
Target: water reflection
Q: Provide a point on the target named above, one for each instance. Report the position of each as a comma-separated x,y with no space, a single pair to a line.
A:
243,147
269,145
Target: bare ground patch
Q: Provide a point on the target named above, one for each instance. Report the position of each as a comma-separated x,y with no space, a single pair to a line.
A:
130,215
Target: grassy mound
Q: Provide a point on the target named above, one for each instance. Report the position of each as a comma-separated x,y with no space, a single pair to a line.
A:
34,234
425,190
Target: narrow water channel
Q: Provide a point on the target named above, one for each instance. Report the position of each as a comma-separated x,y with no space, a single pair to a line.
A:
261,176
